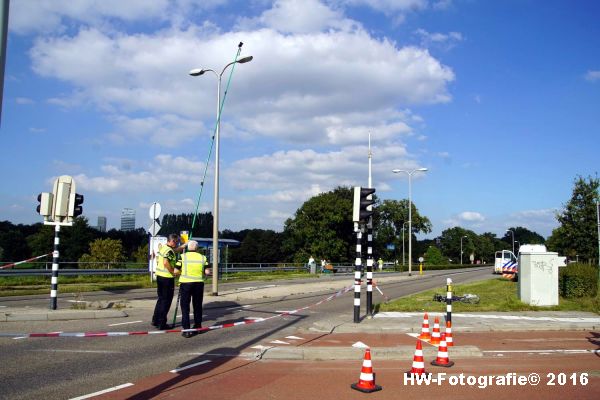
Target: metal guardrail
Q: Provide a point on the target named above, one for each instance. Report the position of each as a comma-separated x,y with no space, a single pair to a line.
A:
73,272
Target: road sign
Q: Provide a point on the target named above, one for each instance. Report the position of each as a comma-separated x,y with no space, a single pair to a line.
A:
154,228
154,211
391,246
421,259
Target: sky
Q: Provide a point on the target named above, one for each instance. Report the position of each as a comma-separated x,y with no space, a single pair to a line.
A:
499,100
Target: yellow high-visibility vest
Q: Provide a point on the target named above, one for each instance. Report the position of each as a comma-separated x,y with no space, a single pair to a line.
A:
168,253
192,267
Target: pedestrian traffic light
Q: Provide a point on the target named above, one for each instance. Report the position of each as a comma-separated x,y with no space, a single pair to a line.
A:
44,207
363,201
75,205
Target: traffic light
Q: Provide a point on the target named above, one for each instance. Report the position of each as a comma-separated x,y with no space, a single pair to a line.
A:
363,201
75,205
45,206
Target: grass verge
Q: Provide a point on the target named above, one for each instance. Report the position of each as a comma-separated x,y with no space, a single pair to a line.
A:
495,295
30,285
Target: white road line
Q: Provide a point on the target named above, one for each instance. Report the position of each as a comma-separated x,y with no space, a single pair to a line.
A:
254,318
2,306
360,345
176,370
566,351
78,351
125,323
294,338
20,337
77,301
112,389
278,342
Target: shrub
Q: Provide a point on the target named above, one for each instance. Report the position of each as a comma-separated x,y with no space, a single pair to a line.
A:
578,280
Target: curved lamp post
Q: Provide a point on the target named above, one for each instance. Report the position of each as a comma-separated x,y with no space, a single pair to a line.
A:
215,249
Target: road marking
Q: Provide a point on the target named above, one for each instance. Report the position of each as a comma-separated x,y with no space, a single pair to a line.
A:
397,314
261,347
278,342
20,337
2,306
413,334
79,351
176,370
565,351
360,345
294,338
77,301
253,318
125,323
112,389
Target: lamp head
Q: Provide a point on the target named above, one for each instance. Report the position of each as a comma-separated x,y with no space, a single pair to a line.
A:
197,72
245,60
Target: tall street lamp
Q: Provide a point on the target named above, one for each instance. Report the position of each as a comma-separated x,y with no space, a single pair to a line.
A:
403,258
409,173
461,249
215,249
513,239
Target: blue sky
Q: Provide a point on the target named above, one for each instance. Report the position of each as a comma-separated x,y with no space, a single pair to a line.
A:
498,99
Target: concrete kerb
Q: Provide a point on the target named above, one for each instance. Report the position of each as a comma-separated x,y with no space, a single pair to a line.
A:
348,353
58,315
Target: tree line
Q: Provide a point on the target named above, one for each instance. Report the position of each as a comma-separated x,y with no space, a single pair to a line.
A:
322,227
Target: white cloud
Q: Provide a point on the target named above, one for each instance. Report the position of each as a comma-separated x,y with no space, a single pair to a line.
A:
471,216
389,6
309,169
592,76
148,75
298,16
24,100
28,16
165,173
445,41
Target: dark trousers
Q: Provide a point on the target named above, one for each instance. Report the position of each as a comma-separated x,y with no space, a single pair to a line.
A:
165,287
193,291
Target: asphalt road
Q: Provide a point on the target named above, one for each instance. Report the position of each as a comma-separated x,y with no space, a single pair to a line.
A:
69,367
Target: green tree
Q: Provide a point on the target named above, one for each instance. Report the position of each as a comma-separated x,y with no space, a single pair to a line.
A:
106,252
389,218
433,256
450,244
41,242
75,240
140,255
259,245
522,236
577,233
322,227
175,223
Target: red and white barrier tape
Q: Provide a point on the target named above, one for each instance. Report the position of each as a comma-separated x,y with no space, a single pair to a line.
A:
209,328
24,261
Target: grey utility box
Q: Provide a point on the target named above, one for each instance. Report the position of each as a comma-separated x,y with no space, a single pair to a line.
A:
538,277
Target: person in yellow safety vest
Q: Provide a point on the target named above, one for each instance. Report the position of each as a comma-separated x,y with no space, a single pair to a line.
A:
165,281
380,262
191,287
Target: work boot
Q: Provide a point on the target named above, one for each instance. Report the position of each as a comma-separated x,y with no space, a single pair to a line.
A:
165,327
188,335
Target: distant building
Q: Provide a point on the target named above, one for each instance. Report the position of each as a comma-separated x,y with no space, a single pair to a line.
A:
128,219
102,224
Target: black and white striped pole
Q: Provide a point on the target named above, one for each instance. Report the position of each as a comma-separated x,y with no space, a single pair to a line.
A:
361,213
448,300
370,267
357,272
59,208
54,280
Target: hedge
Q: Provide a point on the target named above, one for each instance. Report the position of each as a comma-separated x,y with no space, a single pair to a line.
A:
578,280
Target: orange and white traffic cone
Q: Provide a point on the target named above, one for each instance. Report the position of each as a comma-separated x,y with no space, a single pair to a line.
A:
449,339
366,382
425,335
442,359
418,365
435,335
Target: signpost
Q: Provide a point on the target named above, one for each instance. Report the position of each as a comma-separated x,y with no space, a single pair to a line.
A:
154,243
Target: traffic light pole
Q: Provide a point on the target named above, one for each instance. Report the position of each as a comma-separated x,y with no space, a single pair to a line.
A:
370,268
54,282
357,272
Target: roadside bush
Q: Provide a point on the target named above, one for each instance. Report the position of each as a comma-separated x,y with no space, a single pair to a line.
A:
578,280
